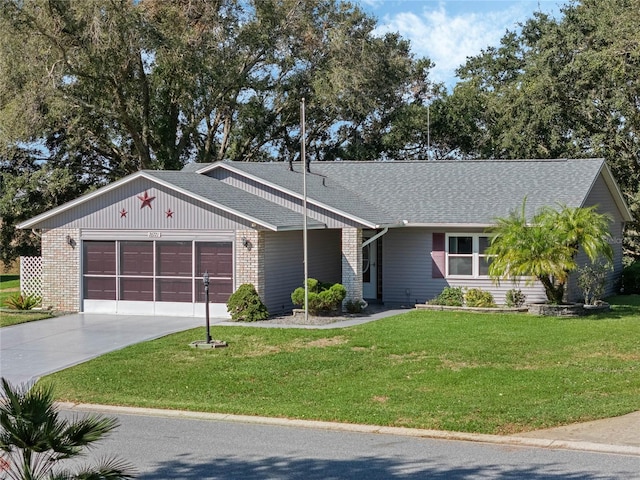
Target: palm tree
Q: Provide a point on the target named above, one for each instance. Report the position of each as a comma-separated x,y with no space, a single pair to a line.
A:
34,439
546,248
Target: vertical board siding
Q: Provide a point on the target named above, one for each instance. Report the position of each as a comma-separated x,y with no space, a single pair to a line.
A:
170,210
408,275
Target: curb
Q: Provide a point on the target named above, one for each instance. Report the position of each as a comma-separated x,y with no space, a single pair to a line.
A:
358,428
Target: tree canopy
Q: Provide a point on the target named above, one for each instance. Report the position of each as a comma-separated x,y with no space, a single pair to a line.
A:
93,90
119,86
567,87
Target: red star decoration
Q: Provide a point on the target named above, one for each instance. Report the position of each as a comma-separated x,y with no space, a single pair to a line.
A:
146,200
123,213
169,213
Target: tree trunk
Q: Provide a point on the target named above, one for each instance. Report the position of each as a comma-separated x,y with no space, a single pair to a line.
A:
555,293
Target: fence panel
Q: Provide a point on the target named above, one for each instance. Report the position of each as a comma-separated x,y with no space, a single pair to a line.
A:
31,275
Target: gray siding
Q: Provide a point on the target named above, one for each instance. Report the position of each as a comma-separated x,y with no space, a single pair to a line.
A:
324,251
332,220
104,212
407,275
601,196
284,267
406,267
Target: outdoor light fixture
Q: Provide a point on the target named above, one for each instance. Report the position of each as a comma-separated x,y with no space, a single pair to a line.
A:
246,243
71,242
208,343
205,280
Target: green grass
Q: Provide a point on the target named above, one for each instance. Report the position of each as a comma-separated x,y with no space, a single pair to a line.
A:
9,281
9,286
9,318
443,370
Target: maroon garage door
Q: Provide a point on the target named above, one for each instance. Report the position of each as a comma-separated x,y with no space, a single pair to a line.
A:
156,271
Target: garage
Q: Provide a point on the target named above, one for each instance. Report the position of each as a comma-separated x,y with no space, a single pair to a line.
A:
155,276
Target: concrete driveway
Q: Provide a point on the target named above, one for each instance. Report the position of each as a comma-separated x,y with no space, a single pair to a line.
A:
31,350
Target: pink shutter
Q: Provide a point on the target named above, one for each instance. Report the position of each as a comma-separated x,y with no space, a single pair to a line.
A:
438,256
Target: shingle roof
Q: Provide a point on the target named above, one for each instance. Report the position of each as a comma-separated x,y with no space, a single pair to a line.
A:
388,193
440,192
268,213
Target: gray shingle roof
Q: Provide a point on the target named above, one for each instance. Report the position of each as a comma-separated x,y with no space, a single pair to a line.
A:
388,193
441,192
235,199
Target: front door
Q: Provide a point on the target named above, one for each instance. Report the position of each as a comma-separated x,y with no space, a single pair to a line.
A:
369,271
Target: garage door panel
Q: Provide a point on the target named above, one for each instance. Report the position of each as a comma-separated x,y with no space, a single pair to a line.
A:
215,258
136,289
98,288
170,290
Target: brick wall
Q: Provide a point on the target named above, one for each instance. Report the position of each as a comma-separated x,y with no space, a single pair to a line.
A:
61,269
352,263
250,259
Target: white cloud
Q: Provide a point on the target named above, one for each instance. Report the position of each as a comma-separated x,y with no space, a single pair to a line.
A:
448,39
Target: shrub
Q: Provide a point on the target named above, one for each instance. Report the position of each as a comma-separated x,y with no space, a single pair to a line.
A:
450,296
22,302
323,297
355,306
631,278
515,298
591,280
476,297
245,305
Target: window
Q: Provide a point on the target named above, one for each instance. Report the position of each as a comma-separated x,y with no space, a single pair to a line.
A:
465,255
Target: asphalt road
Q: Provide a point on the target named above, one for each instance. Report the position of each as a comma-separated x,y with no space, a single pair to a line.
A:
177,448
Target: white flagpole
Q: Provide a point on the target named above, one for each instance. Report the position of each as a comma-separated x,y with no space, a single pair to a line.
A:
304,210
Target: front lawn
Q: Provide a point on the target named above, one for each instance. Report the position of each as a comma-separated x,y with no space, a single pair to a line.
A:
9,286
443,370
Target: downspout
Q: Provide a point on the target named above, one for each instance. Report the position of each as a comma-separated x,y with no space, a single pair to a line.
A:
375,237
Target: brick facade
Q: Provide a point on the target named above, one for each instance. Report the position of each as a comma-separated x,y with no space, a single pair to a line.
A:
250,259
352,263
61,250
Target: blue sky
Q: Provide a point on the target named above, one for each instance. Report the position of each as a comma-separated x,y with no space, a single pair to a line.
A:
448,31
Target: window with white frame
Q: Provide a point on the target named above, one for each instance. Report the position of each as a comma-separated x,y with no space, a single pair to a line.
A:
465,255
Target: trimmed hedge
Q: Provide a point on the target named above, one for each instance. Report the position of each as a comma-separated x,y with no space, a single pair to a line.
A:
323,297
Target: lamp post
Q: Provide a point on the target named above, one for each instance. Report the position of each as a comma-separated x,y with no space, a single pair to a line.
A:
205,280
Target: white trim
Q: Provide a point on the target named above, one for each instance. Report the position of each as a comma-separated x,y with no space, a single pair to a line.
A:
450,225
114,307
172,235
475,255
